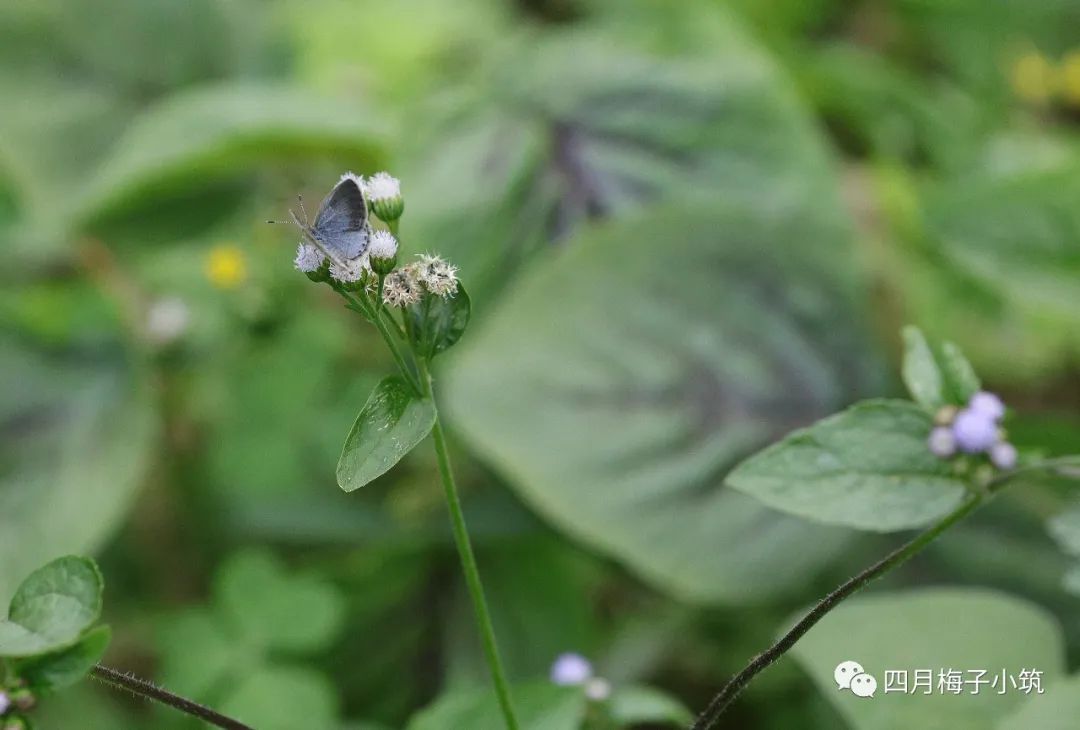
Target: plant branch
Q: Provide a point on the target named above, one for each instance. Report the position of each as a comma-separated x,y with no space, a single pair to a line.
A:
152,692
468,563
897,557
374,314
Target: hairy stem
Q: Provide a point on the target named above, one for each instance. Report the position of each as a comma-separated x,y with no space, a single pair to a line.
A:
736,684
158,694
374,313
468,564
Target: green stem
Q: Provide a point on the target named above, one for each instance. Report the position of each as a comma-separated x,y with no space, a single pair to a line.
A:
468,562
374,313
736,684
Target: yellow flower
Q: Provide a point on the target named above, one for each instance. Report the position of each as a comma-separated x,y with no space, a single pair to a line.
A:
1033,78
226,267
1070,78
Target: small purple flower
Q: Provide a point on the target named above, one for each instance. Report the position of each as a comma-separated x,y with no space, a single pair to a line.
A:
5,703
570,669
942,443
1003,455
987,404
975,431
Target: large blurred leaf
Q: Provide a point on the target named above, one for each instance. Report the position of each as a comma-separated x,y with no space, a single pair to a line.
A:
936,629
638,366
76,442
283,698
868,467
198,137
588,124
1056,709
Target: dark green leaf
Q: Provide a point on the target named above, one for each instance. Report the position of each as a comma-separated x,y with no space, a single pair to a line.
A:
52,608
637,366
564,129
959,373
393,421
439,322
868,467
61,669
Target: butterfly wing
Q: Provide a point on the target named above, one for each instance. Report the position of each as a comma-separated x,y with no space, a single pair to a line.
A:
341,224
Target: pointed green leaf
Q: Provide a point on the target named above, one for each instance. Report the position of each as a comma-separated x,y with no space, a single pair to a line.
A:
959,373
52,608
393,421
922,376
867,467
66,667
439,322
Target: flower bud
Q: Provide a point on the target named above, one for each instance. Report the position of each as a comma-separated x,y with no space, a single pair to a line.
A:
598,689
942,442
5,703
987,404
1003,455
384,196
383,252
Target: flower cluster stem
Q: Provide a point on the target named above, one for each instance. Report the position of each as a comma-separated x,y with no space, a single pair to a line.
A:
151,691
468,564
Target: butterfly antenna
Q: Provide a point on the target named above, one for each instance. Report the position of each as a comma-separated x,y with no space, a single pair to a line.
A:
300,199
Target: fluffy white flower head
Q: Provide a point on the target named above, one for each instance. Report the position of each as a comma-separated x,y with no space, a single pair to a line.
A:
383,245
437,275
308,258
350,271
167,319
401,288
598,689
382,186
359,180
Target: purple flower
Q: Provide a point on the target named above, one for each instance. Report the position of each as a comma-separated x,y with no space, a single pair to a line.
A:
942,443
987,404
975,431
5,703
1003,455
570,669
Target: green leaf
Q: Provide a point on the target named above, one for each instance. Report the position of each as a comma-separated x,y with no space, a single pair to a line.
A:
937,629
199,655
283,698
61,669
959,373
393,421
563,129
197,138
641,363
1056,709
922,376
637,704
867,467
540,706
1064,527
439,322
68,481
275,610
52,608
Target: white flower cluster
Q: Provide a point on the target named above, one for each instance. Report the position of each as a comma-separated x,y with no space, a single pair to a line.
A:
347,272
381,186
407,285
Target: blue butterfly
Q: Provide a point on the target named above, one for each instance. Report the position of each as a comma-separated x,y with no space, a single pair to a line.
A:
341,229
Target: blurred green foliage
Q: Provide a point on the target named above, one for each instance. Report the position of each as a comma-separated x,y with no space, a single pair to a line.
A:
687,228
